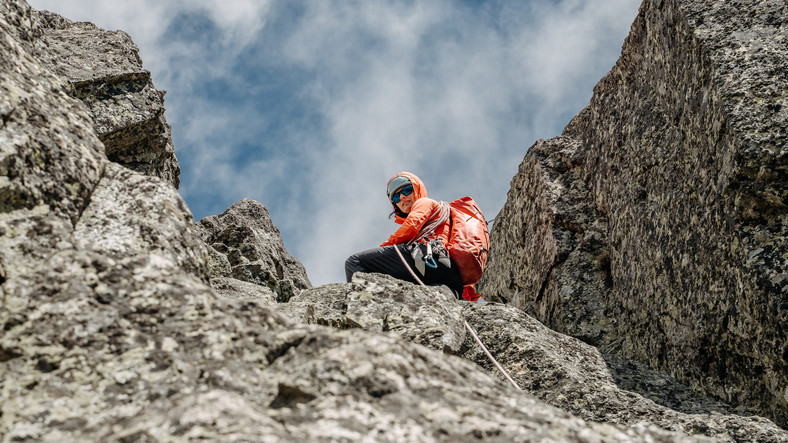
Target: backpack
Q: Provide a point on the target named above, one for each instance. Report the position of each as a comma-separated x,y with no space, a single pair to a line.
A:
469,239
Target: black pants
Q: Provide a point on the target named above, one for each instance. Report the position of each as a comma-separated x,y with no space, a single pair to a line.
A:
386,261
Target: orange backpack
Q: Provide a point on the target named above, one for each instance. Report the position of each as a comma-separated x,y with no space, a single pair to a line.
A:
469,239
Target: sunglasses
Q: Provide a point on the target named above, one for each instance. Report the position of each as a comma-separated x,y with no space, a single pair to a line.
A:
407,190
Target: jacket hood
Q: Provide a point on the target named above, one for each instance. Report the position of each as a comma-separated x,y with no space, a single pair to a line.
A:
418,190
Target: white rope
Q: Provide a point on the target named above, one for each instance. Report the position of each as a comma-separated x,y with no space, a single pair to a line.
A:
438,218
467,326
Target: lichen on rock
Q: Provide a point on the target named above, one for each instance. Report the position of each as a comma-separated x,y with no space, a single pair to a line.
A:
380,303
247,246
105,71
123,320
681,180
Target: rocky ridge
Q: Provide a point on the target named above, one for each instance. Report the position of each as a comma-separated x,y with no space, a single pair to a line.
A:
105,71
655,226
121,323
245,246
560,370
111,332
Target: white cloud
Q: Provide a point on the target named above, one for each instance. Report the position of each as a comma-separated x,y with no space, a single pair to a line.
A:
451,92
147,21
444,108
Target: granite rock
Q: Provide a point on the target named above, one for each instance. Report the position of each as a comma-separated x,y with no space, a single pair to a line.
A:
577,377
380,303
559,268
120,324
105,72
132,213
134,349
681,183
90,340
50,157
558,369
247,246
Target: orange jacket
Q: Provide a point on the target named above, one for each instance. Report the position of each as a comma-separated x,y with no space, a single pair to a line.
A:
419,214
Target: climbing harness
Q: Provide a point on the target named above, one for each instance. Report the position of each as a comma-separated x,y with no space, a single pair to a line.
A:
433,245
427,258
467,326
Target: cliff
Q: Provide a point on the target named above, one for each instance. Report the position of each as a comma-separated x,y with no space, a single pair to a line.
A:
655,226
124,320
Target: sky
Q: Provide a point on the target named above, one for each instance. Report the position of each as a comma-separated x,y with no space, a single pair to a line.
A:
309,107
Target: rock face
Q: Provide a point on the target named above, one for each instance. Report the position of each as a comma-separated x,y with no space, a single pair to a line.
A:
656,225
119,323
50,157
560,370
576,377
105,71
111,333
246,245
554,263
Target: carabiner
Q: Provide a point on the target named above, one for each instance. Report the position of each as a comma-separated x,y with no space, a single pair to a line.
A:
430,261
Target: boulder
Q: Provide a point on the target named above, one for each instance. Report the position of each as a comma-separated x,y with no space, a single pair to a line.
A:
247,246
90,340
654,226
558,369
380,303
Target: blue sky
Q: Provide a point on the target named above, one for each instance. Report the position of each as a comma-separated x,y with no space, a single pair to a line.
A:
310,106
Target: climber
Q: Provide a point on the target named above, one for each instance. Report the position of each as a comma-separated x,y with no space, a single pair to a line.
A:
418,215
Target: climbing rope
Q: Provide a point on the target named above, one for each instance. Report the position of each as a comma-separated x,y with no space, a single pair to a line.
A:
467,326
438,218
